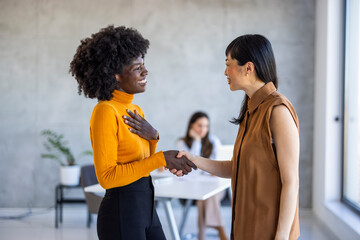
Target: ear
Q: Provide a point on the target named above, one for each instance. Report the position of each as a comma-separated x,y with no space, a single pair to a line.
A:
118,78
250,67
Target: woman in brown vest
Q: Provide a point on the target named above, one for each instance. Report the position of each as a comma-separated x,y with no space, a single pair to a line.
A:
265,164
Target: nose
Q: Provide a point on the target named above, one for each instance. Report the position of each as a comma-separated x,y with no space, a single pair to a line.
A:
145,71
225,72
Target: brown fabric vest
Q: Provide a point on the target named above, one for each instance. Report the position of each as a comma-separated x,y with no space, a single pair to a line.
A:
256,182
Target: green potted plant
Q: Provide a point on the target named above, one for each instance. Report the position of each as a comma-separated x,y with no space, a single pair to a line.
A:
58,150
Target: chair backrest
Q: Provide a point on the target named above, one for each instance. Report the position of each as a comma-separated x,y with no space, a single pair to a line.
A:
88,175
225,152
87,178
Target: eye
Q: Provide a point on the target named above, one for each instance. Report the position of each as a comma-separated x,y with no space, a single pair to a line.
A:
140,67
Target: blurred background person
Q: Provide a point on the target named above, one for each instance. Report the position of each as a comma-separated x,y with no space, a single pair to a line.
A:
199,141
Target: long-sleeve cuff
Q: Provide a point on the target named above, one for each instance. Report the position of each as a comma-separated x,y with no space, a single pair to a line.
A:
153,144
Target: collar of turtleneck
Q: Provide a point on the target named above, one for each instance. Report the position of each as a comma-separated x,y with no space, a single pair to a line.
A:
122,97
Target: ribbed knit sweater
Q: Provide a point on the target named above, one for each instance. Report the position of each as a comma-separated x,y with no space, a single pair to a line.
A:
120,157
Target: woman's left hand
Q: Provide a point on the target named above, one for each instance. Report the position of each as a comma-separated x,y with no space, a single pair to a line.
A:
140,126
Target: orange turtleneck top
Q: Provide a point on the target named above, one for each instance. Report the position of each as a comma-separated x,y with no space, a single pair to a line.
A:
120,157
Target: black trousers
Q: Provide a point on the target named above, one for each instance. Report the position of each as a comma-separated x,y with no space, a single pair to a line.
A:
129,213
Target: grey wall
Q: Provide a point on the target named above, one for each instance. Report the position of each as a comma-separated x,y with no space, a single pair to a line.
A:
185,61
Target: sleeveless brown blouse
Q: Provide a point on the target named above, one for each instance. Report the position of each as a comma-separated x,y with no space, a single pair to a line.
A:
256,182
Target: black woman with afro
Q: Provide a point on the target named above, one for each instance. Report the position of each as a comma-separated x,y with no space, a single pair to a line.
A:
109,66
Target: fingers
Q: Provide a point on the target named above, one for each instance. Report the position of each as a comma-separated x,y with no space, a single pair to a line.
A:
187,168
181,153
132,123
134,115
176,172
194,135
180,173
191,164
139,117
185,155
135,131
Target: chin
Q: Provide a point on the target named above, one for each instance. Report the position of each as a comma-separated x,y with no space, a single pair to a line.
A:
233,88
141,90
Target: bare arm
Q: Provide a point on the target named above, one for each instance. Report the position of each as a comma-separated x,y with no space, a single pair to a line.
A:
218,168
286,138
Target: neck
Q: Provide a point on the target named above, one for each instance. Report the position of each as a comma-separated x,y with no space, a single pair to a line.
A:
254,87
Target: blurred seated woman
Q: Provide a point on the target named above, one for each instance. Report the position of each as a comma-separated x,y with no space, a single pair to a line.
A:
199,142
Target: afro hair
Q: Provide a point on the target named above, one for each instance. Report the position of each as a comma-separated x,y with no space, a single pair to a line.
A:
101,56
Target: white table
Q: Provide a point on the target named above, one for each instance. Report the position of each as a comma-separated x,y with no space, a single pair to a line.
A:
167,186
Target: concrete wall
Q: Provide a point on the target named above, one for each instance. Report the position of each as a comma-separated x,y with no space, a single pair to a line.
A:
186,62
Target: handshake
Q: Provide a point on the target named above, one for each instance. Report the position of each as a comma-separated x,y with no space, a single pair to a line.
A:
178,163
143,128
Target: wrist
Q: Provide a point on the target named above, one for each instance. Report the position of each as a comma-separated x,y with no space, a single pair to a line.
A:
156,135
193,158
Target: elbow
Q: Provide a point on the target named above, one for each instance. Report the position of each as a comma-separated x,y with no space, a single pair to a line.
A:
103,183
105,180
291,183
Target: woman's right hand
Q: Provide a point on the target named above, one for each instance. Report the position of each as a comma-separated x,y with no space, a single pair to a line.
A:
194,135
140,126
188,155
173,161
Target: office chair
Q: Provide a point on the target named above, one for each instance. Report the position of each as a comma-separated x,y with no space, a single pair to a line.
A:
87,178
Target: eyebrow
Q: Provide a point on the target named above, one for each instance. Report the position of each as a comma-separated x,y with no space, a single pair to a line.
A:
136,64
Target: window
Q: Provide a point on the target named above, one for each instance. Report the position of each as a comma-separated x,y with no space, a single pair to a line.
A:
351,166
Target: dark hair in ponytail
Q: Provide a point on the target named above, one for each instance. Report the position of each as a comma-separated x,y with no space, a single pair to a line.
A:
257,49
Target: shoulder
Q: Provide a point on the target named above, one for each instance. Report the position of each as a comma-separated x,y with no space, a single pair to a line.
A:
281,118
277,104
214,139
282,110
104,106
180,144
180,141
277,98
103,112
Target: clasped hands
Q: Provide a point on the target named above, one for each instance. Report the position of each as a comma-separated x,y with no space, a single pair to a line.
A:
176,162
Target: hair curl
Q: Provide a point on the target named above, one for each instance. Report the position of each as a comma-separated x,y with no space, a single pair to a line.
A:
101,56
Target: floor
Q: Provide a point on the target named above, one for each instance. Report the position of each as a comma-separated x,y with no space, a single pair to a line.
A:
39,224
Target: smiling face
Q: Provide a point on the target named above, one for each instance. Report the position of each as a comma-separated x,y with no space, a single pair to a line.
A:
236,74
201,126
133,78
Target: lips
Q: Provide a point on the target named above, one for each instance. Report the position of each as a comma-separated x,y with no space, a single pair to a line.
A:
228,80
